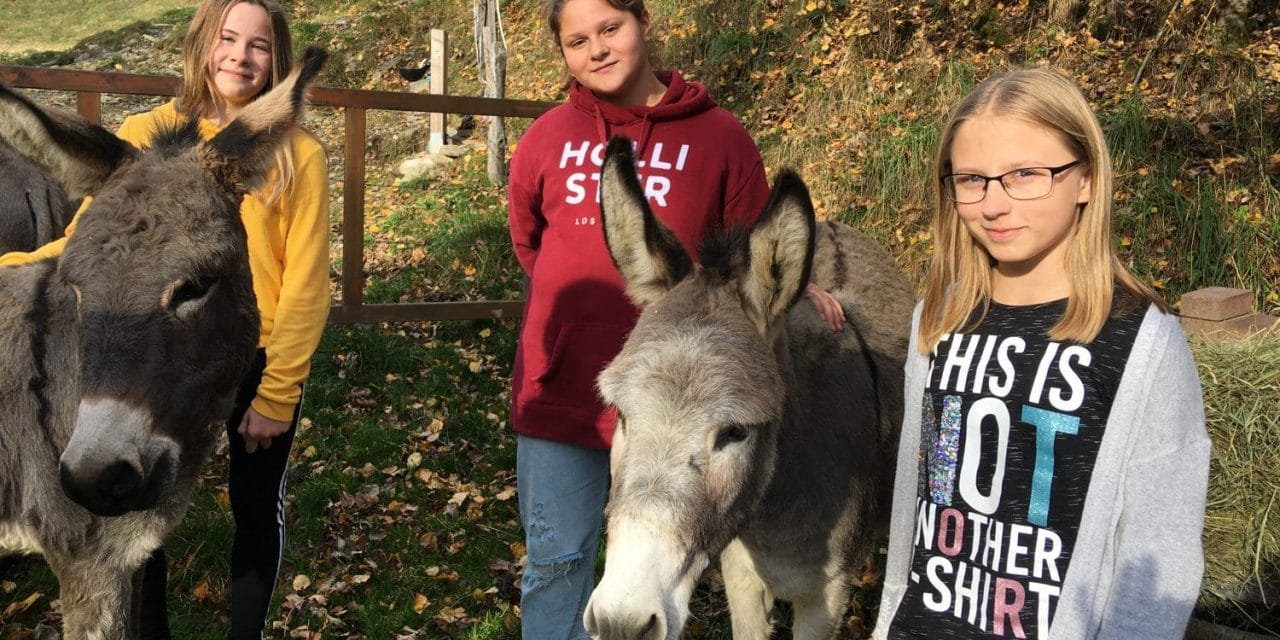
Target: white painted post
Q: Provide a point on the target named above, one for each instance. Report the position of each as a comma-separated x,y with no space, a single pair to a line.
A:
439,85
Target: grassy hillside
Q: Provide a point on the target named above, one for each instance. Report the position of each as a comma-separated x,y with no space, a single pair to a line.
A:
43,26
853,95
402,515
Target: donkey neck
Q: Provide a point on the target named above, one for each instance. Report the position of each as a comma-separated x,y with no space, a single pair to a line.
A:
817,446
40,349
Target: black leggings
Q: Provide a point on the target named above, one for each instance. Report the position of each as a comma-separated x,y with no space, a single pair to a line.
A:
256,486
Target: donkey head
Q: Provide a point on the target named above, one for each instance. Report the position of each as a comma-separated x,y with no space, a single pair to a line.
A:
163,294
700,388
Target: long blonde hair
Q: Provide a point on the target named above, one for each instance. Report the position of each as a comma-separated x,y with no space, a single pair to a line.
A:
959,280
200,97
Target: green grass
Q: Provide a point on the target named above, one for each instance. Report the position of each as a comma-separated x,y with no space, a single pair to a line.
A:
1189,222
399,422
42,26
446,244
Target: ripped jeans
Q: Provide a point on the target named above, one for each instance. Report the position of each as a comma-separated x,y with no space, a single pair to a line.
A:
563,489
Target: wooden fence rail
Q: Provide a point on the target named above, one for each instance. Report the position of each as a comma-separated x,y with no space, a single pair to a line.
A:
90,85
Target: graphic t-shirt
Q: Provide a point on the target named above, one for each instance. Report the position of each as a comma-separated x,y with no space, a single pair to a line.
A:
1010,431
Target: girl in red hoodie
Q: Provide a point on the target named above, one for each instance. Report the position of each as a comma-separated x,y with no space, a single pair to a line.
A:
701,172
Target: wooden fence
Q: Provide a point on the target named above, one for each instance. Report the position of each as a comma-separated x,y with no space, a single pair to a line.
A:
90,85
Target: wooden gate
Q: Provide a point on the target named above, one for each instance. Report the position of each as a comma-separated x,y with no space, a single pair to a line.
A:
90,85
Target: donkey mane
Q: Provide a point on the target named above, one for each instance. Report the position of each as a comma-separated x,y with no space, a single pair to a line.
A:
39,317
173,139
724,253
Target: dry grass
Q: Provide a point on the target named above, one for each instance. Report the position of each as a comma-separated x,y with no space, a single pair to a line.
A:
1242,521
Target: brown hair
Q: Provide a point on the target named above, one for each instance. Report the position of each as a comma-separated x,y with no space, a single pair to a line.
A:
199,95
959,279
552,10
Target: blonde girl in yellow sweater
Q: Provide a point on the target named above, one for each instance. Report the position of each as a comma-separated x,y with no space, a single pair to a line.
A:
234,51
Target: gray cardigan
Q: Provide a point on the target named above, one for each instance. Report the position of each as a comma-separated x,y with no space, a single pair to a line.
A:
1136,566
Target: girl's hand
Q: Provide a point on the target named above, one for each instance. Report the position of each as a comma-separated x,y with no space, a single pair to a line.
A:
827,306
258,430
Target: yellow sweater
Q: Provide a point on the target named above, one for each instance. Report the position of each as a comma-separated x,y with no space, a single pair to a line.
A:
288,257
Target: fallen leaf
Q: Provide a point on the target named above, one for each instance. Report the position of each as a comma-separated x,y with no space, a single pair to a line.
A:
19,607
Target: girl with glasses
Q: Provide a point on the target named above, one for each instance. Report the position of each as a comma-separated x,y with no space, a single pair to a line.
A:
1051,482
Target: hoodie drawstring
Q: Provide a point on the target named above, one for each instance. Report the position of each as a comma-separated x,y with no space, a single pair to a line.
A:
646,125
602,125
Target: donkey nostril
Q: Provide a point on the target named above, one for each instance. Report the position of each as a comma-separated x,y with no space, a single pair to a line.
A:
121,480
67,480
650,628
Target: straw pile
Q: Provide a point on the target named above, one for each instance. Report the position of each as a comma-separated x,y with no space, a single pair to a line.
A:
1242,521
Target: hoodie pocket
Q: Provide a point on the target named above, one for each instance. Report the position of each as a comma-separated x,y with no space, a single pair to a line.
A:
580,353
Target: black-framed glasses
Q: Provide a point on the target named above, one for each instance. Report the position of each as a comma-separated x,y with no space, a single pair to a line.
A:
1027,183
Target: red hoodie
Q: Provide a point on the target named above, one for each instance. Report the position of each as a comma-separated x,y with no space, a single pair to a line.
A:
700,170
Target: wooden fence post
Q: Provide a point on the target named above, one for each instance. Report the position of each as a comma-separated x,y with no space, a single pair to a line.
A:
89,104
439,85
492,59
353,209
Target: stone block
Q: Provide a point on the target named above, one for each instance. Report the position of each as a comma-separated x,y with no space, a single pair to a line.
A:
1216,303
1205,328
1252,323
416,167
453,150
1246,325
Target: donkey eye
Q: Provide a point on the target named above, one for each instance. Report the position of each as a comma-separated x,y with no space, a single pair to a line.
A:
188,291
730,435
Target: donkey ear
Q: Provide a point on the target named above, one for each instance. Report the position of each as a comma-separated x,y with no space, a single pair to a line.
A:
780,252
78,154
647,253
240,156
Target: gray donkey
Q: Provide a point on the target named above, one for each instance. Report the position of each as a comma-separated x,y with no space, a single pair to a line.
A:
747,429
34,208
119,360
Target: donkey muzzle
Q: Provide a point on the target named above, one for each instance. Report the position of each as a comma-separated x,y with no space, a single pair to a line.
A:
647,583
113,464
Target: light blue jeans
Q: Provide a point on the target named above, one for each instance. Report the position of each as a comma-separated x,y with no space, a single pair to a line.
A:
563,489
